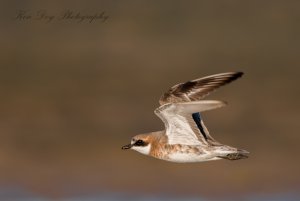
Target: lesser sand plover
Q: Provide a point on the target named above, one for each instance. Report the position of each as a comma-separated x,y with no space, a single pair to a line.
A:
186,138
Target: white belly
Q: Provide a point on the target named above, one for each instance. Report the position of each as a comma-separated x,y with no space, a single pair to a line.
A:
191,157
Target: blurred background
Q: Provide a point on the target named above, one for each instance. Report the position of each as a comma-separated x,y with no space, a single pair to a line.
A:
72,93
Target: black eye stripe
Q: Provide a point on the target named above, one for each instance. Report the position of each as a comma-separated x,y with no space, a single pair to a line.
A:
140,143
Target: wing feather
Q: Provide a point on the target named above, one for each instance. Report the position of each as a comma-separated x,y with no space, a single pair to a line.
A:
179,124
197,89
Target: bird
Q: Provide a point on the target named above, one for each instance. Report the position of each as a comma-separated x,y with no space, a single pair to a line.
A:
185,138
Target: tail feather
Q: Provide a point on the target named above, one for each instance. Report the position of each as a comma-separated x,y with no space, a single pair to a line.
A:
239,154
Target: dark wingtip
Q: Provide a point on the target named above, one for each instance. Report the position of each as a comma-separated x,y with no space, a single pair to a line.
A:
236,75
239,74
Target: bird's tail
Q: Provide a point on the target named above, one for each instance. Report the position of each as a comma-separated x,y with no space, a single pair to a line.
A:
238,154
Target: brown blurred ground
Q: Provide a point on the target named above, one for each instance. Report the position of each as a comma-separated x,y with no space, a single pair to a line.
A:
73,93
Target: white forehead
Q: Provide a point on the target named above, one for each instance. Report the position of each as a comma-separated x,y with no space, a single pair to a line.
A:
142,149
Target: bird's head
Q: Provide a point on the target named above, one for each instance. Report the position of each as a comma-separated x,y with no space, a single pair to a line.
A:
140,143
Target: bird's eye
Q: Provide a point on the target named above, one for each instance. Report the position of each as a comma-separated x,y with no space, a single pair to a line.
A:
139,143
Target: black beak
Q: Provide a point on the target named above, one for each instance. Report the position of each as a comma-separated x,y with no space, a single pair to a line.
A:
128,146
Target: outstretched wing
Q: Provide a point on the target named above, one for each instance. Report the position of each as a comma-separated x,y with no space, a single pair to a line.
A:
179,123
197,89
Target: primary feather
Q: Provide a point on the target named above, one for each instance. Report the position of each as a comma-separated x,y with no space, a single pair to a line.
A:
197,89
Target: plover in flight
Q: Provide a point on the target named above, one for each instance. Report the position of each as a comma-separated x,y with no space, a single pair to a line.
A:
185,138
